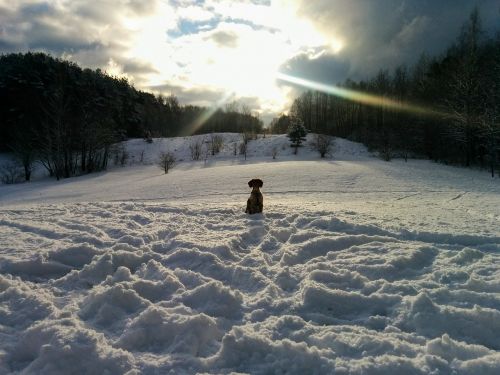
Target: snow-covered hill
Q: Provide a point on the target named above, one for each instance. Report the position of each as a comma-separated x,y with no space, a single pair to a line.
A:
356,266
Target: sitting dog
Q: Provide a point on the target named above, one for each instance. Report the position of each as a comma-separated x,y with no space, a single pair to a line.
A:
256,201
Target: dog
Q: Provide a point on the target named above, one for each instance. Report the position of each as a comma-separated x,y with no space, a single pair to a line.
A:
255,203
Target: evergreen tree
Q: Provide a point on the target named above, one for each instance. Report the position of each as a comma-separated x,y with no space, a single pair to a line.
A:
296,132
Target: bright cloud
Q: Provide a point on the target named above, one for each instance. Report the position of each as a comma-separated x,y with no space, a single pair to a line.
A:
234,48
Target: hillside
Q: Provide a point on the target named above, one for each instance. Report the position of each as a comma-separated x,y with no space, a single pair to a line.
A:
356,266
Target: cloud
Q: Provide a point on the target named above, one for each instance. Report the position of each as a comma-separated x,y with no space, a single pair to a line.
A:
202,50
195,13
223,38
202,96
327,68
138,67
386,33
68,27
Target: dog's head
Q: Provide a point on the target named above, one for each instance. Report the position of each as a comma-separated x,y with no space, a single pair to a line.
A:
256,182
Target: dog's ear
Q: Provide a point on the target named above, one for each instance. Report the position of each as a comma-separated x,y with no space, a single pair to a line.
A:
250,183
259,182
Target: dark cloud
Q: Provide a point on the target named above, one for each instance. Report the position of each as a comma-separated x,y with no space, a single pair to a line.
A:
42,26
6,47
386,33
137,67
36,10
327,68
110,10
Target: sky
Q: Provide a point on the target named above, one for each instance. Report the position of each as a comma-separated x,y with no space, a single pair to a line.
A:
208,52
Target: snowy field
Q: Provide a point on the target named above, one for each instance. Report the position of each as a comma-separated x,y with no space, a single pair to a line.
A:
356,266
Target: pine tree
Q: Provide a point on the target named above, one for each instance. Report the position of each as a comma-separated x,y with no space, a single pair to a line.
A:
297,133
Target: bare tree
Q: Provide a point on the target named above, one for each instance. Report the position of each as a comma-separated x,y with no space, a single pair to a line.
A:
216,143
323,144
196,147
167,161
243,149
206,152
10,172
245,138
490,129
23,145
119,154
465,89
274,152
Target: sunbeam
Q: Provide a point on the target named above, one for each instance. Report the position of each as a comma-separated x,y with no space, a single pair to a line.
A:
206,115
360,97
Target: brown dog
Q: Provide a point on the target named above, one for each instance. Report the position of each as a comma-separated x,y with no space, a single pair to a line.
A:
256,201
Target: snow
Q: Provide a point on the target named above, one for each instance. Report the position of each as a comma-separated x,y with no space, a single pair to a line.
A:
356,266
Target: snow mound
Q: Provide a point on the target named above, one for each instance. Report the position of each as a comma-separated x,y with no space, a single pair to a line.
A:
64,346
170,331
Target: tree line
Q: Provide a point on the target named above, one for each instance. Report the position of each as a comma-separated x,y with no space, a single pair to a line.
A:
70,119
458,94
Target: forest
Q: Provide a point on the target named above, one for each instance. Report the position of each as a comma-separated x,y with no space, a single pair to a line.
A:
69,119
460,89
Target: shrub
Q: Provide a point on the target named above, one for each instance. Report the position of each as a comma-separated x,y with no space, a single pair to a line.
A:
274,152
167,161
216,143
11,173
195,147
323,144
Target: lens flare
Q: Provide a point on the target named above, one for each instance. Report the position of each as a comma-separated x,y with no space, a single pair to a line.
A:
358,96
206,115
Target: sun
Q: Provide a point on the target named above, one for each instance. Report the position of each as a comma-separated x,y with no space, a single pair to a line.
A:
247,67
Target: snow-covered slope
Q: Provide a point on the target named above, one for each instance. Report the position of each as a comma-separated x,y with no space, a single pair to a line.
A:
356,266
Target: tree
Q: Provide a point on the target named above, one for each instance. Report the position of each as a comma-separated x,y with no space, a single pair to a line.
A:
167,161
216,143
23,145
280,124
323,144
297,133
195,147
457,95
10,172
465,90
245,138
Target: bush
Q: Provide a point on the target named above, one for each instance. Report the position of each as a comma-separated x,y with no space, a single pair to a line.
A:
11,173
216,143
195,147
323,144
120,154
167,161
274,152
147,137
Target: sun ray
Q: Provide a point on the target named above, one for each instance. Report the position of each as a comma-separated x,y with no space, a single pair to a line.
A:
207,114
360,97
